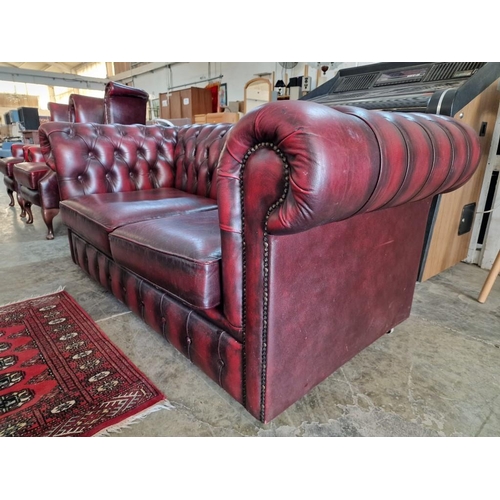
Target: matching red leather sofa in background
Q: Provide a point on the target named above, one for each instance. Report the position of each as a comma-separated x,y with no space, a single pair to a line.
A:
269,252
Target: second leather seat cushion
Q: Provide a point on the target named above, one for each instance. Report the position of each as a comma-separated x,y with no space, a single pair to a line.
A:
94,216
28,174
181,254
7,165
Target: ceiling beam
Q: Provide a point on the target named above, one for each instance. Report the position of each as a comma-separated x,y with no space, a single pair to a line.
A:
49,78
145,68
61,66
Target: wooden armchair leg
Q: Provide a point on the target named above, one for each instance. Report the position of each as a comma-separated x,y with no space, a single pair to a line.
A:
20,202
48,215
29,213
488,284
11,196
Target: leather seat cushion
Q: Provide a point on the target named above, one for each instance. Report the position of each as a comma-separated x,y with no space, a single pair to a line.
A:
7,165
180,254
28,174
94,216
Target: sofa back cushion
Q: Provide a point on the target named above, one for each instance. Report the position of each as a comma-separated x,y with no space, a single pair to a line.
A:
94,158
124,104
196,157
85,109
90,158
59,112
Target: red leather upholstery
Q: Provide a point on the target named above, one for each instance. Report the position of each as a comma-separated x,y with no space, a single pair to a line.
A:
17,150
59,112
20,153
85,109
115,158
341,162
181,254
29,174
121,103
322,216
124,104
96,215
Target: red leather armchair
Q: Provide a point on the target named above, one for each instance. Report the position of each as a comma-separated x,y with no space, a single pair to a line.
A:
59,112
7,169
124,104
269,252
85,109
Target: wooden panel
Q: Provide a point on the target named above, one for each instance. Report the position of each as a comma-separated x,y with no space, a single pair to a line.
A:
222,117
170,106
176,105
14,101
187,106
446,247
196,101
120,67
185,103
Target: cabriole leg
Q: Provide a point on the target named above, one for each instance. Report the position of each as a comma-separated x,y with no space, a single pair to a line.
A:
11,196
48,215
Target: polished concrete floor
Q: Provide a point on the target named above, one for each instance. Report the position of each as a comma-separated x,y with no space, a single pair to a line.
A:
437,374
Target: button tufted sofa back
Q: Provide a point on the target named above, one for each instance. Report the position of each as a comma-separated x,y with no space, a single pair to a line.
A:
95,158
196,157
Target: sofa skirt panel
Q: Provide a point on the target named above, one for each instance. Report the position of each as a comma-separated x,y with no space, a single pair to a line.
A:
208,346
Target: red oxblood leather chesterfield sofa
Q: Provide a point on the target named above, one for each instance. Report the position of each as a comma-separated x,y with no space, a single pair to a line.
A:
269,252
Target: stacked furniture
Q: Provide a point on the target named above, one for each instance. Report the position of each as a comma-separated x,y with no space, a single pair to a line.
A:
268,252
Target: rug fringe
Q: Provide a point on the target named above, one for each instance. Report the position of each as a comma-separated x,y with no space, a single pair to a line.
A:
127,423
60,289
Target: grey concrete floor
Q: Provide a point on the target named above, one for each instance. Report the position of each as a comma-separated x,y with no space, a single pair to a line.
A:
437,374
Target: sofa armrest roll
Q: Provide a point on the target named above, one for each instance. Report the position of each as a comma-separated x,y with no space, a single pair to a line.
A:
343,161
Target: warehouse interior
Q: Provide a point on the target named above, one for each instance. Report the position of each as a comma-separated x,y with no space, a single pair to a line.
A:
436,375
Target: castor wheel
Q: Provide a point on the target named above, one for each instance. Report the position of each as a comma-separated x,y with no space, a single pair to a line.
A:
390,331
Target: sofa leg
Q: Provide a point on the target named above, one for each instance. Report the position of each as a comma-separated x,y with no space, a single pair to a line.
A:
48,215
29,213
21,203
11,196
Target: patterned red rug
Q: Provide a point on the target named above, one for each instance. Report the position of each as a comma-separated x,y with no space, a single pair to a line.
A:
61,376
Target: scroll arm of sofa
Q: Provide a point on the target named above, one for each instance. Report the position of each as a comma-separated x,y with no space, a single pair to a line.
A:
49,190
44,132
340,162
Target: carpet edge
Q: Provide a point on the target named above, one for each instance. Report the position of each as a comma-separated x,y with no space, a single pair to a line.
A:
134,419
59,290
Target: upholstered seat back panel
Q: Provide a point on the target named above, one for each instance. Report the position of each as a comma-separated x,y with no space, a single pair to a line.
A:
196,158
92,159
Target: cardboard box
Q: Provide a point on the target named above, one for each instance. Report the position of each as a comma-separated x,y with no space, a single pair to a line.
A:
223,117
236,106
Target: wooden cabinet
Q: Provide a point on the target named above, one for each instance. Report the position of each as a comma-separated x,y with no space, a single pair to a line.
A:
223,117
185,103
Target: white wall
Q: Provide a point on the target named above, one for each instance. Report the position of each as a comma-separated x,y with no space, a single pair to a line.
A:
235,74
